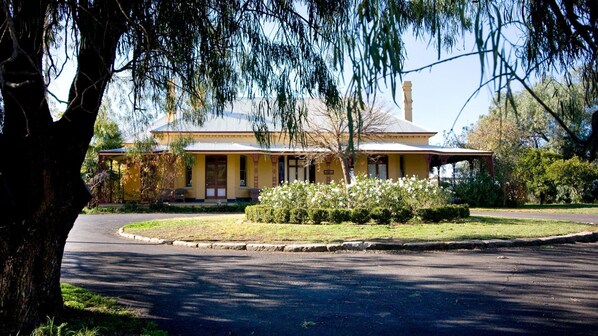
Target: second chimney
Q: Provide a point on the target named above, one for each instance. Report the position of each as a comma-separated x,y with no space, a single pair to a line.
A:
407,101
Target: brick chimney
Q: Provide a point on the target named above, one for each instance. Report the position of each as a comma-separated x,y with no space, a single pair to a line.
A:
407,101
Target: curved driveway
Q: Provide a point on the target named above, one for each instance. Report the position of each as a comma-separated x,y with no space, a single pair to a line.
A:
544,290
579,218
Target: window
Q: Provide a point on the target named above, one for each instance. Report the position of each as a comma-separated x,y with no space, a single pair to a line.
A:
188,176
243,171
297,171
378,167
281,177
402,166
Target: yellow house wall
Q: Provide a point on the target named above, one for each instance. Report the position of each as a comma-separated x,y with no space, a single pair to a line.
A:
394,167
335,165
415,165
264,172
132,183
249,138
361,165
199,177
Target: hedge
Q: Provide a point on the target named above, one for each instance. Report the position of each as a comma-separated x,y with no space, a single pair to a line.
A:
298,216
318,216
268,214
445,213
360,215
281,215
260,213
338,216
381,215
402,215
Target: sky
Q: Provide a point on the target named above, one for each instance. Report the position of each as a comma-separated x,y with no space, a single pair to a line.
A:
439,93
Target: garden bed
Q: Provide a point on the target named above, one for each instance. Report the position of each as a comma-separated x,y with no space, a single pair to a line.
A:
235,228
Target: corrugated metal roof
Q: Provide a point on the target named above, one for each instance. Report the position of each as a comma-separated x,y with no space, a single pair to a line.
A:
238,118
386,147
376,147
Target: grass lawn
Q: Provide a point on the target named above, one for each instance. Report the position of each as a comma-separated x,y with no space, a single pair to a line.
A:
233,228
89,314
584,209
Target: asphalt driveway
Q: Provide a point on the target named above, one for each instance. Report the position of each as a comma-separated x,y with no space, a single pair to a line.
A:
579,218
549,290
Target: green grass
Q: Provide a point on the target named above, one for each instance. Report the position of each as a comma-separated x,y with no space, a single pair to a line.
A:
583,209
89,314
233,228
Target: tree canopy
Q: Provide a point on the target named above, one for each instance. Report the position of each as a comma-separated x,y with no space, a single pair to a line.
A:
214,51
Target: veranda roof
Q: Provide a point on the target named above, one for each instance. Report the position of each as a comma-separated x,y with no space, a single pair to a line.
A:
367,147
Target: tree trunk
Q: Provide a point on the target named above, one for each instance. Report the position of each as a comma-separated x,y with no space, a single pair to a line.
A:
346,166
41,190
41,194
34,233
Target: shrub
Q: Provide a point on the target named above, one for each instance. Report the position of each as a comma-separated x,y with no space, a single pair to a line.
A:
360,215
250,213
131,207
463,210
381,215
266,214
402,215
318,215
573,179
438,214
281,215
259,213
298,216
338,216
482,191
363,192
429,215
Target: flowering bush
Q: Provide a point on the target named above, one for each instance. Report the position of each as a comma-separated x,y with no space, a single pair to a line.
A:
410,193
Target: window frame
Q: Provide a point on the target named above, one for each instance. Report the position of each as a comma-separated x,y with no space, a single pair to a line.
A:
188,176
377,161
243,171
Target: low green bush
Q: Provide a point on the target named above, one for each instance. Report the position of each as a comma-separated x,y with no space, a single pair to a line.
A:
381,215
463,210
360,215
338,216
298,216
445,213
250,213
281,215
317,215
259,213
402,215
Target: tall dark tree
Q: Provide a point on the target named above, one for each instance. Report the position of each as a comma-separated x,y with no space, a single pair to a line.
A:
212,50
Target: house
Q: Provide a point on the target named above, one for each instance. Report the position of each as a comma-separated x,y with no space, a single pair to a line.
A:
229,165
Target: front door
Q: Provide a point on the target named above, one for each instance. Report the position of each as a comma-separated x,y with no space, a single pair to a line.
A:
215,176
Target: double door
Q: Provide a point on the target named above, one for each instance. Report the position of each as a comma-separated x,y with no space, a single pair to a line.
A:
215,176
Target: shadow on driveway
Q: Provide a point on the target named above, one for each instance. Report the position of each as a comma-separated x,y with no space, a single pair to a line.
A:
546,290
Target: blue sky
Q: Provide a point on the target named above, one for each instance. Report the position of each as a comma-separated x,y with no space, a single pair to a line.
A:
439,93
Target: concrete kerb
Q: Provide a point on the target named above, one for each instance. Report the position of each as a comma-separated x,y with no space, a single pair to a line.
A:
582,237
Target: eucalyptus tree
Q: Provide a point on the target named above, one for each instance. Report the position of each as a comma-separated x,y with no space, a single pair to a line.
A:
523,43
212,50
